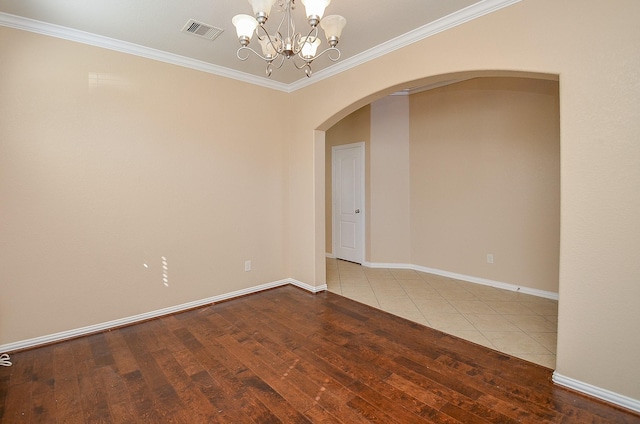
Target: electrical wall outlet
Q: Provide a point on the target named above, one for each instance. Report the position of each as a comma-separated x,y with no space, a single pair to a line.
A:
489,258
247,266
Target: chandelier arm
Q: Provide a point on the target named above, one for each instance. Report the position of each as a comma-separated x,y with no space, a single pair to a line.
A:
329,51
281,7
266,34
275,41
306,63
313,33
301,63
297,47
281,60
243,57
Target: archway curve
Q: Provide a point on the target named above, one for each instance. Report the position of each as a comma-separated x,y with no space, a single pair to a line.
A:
426,82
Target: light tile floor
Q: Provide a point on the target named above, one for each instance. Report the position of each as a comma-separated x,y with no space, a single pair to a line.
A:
515,323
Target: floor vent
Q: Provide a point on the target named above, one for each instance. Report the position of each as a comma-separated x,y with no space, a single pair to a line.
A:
200,29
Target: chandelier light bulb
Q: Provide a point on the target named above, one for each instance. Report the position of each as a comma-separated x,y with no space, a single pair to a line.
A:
309,46
245,25
261,9
315,10
269,48
333,26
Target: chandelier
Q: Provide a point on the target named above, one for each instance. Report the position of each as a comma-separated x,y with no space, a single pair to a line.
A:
285,42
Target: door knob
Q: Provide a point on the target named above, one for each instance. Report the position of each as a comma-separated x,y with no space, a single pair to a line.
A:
357,210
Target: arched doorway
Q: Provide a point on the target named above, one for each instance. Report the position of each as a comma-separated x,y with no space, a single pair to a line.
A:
458,128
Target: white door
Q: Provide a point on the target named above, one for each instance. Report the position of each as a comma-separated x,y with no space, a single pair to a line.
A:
348,202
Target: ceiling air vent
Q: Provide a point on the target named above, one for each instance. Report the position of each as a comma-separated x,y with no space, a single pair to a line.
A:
202,30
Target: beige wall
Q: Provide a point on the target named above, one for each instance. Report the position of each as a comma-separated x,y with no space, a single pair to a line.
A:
99,177
389,237
592,46
354,128
485,179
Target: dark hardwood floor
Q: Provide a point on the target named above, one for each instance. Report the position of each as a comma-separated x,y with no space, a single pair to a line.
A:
284,355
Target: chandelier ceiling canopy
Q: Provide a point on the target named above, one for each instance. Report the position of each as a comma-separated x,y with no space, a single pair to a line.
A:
285,42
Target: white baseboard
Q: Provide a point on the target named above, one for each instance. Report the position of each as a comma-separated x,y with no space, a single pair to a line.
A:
597,392
69,334
307,287
468,278
330,255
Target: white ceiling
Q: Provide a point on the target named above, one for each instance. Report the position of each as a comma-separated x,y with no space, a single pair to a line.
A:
153,28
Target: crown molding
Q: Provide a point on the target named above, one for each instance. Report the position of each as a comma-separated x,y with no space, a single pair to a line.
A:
39,27
458,18
447,22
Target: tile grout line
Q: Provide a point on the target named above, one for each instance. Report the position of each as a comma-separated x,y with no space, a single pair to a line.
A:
414,304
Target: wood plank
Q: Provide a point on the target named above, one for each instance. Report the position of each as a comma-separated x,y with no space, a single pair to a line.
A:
277,404
92,394
18,404
427,403
43,407
100,350
243,381
318,415
22,369
223,402
141,398
295,371
283,342
66,389
120,404
124,361
226,372
293,395
202,410
369,412
159,394
383,404
4,387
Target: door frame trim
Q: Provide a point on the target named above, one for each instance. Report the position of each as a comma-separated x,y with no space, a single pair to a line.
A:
361,145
